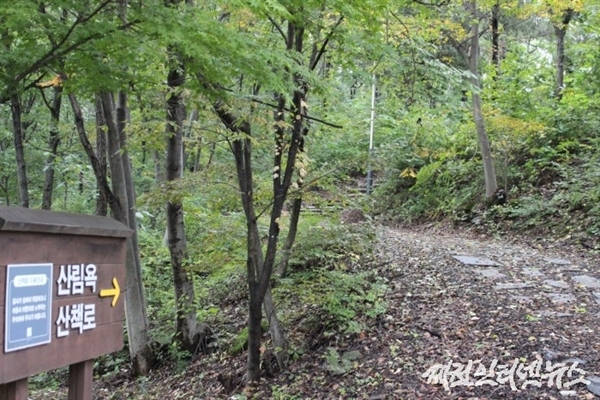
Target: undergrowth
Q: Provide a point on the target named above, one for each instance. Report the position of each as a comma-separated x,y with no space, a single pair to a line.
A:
325,279
551,178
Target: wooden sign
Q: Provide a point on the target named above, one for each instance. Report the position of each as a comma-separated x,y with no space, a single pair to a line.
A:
62,281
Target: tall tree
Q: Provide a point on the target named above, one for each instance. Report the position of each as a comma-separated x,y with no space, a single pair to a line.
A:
186,334
100,153
560,29
496,36
289,122
469,51
18,133
53,142
124,211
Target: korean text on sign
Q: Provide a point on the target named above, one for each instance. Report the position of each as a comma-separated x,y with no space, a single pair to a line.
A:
74,279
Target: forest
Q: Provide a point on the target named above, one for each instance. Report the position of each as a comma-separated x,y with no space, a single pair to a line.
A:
299,176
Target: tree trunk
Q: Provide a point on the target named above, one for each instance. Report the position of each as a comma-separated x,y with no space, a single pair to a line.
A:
275,329
260,269
17,113
242,150
53,143
489,172
186,324
188,134
495,38
197,154
158,167
561,31
254,334
135,301
471,57
101,196
97,167
291,236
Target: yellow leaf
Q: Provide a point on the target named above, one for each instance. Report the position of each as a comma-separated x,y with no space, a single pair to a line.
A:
408,172
54,82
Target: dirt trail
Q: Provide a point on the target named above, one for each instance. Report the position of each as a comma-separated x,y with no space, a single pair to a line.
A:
534,304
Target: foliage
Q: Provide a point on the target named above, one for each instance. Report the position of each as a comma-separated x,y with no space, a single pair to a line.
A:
567,202
326,242
346,298
340,364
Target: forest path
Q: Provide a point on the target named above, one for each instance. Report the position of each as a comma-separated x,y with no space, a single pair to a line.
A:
522,301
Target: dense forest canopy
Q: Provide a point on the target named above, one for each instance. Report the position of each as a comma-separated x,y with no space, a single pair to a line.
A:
207,126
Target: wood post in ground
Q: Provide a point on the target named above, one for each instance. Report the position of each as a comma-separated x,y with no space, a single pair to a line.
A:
16,390
80,380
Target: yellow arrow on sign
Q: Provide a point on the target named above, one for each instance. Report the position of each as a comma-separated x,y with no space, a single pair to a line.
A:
112,292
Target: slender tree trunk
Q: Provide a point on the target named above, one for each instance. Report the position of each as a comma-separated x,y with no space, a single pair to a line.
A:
212,153
188,134
186,324
4,185
97,166
242,151
197,154
291,237
101,196
135,301
471,57
158,167
53,143
99,172
560,61
489,172
561,31
122,115
495,37
17,113
259,269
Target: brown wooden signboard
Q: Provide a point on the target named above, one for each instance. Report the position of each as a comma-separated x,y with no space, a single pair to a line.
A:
62,282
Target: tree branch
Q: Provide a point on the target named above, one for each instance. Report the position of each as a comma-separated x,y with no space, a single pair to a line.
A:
433,4
42,62
322,50
458,46
276,25
303,115
51,54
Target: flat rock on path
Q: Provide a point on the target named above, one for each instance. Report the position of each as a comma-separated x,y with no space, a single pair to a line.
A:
456,297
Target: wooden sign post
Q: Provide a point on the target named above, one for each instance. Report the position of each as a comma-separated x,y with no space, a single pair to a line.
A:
62,281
